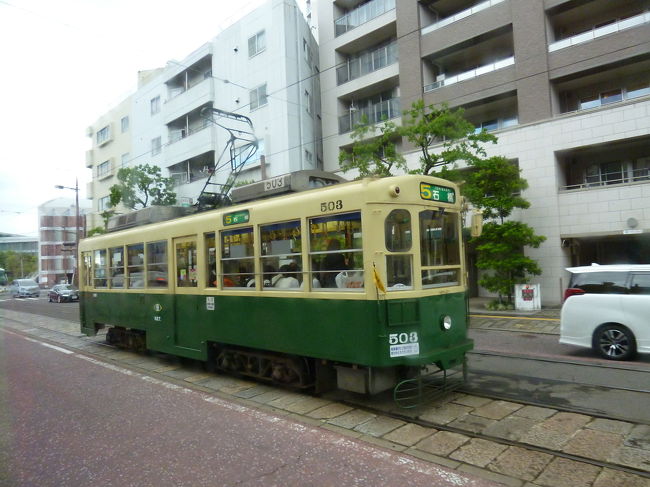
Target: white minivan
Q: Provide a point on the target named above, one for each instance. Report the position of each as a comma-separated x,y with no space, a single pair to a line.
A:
607,308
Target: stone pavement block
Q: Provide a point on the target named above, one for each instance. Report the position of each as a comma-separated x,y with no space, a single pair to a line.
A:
306,404
442,443
511,428
535,412
478,452
471,401
639,437
445,414
409,434
556,431
472,423
597,445
497,409
616,478
520,463
329,411
632,457
252,392
352,419
379,426
493,476
564,472
283,401
610,426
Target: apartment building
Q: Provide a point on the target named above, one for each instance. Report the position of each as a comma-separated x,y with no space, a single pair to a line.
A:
264,67
563,84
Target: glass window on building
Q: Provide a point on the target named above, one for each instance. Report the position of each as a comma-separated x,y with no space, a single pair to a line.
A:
256,43
258,97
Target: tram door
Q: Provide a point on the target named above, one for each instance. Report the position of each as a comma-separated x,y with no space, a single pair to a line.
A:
185,286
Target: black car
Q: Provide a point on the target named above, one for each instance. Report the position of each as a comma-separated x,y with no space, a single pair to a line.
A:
63,292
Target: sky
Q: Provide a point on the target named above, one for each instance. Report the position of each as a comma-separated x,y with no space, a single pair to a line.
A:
67,62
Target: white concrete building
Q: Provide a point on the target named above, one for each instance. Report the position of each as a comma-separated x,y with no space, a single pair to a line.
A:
264,67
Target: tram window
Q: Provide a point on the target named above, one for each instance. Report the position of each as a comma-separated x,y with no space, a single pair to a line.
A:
237,258
186,272
116,267
157,264
398,231
87,269
99,265
335,249
135,266
211,259
439,248
398,272
281,256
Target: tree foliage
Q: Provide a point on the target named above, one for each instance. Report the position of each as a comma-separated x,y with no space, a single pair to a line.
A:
142,186
373,154
18,264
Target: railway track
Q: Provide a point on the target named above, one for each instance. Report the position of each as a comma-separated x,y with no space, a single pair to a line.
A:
101,351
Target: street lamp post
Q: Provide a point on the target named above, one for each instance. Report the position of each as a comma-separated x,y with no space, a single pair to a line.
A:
76,222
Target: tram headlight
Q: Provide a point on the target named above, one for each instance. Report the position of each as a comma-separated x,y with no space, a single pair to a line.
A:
446,322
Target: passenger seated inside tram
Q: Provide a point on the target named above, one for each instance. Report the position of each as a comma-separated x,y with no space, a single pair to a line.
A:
286,279
333,264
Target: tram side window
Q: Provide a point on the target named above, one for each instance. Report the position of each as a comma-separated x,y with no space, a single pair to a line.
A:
116,267
399,238
186,265
211,259
88,269
99,266
439,248
157,264
336,252
281,256
237,262
135,266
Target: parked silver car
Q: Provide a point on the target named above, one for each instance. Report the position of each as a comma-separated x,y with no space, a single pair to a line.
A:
23,288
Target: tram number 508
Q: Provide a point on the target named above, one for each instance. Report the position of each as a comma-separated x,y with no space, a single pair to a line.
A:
401,338
331,205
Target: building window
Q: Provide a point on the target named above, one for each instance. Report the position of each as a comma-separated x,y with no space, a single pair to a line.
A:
156,146
308,157
155,105
103,135
124,124
125,159
309,102
258,97
257,43
103,203
104,169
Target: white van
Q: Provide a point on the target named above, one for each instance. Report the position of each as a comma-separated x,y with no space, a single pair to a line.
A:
607,308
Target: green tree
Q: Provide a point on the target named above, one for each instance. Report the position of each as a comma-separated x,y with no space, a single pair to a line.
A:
142,186
454,138
374,152
18,264
494,185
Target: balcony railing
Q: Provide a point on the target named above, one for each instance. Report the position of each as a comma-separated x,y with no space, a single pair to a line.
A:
611,178
367,63
362,14
176,135
473,73
595,33
460,15
371,114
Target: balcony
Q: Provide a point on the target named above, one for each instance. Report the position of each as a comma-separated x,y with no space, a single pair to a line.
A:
444,80
186,144
362,14
90,158
183,101
611,27
371,113
367,62
459,16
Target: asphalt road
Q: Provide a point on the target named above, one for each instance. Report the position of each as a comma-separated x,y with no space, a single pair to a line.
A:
67,419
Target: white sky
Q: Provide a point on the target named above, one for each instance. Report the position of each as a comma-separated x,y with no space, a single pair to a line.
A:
64,64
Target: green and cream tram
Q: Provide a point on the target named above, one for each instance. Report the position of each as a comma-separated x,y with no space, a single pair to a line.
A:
358,285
